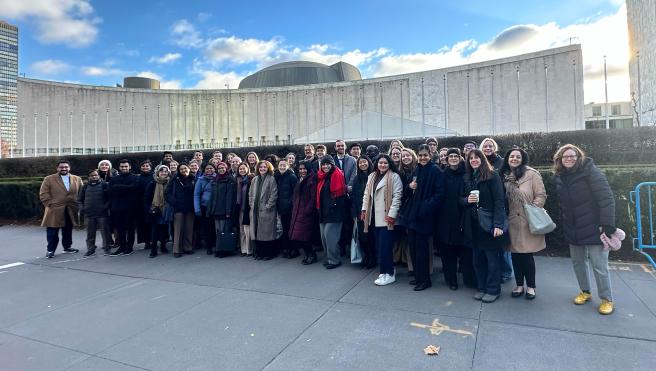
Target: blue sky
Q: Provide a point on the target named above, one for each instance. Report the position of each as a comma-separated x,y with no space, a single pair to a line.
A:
208,44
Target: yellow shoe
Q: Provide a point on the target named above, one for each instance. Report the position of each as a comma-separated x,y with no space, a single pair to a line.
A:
582,298
606,307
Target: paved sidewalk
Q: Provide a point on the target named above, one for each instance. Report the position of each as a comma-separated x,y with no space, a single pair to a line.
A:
203,313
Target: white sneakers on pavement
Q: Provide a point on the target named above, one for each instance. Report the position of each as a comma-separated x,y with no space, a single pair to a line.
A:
384,279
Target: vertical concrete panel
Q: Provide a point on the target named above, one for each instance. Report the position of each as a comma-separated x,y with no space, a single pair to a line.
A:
480,100
505,93
532,94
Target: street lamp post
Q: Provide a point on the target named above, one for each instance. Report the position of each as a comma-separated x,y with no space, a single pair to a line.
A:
146,126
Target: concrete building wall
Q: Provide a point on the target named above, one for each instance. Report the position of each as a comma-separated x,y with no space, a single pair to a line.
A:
642,63
534,92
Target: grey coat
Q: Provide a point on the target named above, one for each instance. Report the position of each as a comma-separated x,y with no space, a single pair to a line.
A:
349,168
263,225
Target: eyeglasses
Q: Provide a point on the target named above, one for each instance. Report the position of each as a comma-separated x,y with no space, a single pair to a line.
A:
569,157
454,156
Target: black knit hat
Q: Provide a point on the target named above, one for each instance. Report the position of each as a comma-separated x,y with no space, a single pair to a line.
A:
452,151
471,142
328,160
431,140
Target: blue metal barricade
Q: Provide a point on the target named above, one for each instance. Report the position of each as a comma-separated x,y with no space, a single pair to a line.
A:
645,239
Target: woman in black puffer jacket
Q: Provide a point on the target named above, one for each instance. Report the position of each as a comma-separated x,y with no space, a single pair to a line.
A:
588,209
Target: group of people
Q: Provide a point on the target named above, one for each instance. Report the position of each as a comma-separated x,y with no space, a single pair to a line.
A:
400,207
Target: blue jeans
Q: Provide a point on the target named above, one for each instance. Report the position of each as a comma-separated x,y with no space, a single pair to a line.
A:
486,266
505,265
385,246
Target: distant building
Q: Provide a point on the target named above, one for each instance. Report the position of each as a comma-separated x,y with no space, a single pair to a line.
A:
8,86
642,64
535,92
620,115
300,73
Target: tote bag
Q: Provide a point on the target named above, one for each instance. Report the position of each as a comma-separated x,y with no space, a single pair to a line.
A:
539,221
356,251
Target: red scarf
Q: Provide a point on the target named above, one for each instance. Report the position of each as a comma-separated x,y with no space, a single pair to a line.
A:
337,184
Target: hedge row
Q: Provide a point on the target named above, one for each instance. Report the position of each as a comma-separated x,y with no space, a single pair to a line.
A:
612,147
20,200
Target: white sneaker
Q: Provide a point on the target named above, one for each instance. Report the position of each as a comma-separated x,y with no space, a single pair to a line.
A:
379,279
387,280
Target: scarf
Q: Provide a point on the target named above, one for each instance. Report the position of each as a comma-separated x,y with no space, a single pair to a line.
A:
513,195
242,186
337,184
371,188
158,196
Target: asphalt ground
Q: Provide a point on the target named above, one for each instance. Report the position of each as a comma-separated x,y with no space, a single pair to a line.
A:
203,313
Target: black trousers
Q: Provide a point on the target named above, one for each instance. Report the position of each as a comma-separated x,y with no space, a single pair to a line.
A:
266,249
466,260
143,228
52,234
524,267
207,230
367,245
420,254
123,221
449,255
283,242
158,233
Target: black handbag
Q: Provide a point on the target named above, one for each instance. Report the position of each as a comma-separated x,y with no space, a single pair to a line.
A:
486,220
226,241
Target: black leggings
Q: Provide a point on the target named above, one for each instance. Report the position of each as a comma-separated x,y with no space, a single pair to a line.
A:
524,267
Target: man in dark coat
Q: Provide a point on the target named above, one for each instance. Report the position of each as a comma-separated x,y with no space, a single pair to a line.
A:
94,203
123,192
348,166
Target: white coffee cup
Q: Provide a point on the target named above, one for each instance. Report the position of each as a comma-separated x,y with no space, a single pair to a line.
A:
476,193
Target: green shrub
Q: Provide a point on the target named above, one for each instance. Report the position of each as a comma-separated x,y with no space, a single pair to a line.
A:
610,147
20,200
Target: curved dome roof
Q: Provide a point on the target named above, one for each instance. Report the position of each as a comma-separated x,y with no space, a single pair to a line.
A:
300,73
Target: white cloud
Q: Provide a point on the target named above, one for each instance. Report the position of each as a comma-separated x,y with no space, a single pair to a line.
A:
69,22
322,53
103,71
598,37
163,84
50,67
185,34
237,50
203,17
218,80
166,58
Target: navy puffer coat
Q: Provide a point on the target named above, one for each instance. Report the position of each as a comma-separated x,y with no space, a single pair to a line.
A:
586,202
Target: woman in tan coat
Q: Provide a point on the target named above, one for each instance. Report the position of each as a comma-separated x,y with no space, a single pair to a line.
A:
262,198
523,185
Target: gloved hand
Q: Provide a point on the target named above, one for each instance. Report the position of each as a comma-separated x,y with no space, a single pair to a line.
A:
608,230
199,213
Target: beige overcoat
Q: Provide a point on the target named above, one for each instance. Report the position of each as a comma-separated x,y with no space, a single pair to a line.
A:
531,189
57,199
